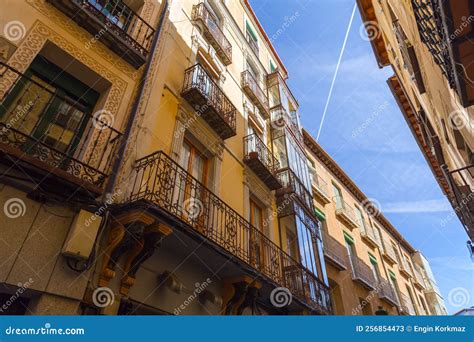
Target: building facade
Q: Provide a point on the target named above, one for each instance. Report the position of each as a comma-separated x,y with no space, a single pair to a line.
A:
371,268
153,162
429,45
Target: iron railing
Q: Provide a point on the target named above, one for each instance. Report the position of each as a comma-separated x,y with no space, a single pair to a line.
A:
389,251
419,278
161,181
118,18
387,292
253,90
343,208
335,251
213,32
210,101
432,34
406,305
363,273
254,146
291,183
367,231
55,129
252,43
320,184
405,266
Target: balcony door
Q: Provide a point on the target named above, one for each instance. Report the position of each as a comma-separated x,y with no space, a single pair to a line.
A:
192,195
257,255
49,106
338,197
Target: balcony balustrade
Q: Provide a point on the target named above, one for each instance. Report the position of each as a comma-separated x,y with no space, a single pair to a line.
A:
261,160
406,306
53,134
253,44
166,188
367,233
419,279
209,101
320,189
445,29
293,185
387,293
255,93
212,32
389,253
405,268
363,274
116,24
345,212
335,252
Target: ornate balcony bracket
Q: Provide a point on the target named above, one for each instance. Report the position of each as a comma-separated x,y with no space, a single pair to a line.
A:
135,235
245,292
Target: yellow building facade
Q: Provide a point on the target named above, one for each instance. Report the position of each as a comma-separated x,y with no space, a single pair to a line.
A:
429,47
370,266
153,162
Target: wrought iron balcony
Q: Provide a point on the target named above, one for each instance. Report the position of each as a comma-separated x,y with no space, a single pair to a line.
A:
445,27
165,187
52,135
363,274
387,293
419,279
461,184
405,267
113,23
367,233
406,306
252,43
293,185
212,32
255,93
345,212
209,101
389,253
335,252
320,189
261,160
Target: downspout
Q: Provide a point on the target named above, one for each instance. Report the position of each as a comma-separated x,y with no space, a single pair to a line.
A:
128,129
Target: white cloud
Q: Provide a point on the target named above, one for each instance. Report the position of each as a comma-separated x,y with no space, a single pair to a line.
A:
428,206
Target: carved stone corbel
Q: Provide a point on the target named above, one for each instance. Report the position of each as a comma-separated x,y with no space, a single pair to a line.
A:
245,292
142,251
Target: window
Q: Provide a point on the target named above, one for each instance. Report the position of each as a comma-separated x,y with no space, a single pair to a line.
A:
257,250
375,268
350,248
338,197
291,244
394,284
360,218
61,106
272,66
251,37
194,162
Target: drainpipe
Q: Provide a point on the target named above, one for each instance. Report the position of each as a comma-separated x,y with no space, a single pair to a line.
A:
128,129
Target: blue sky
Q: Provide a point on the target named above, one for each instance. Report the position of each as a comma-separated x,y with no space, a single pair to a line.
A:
364,130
